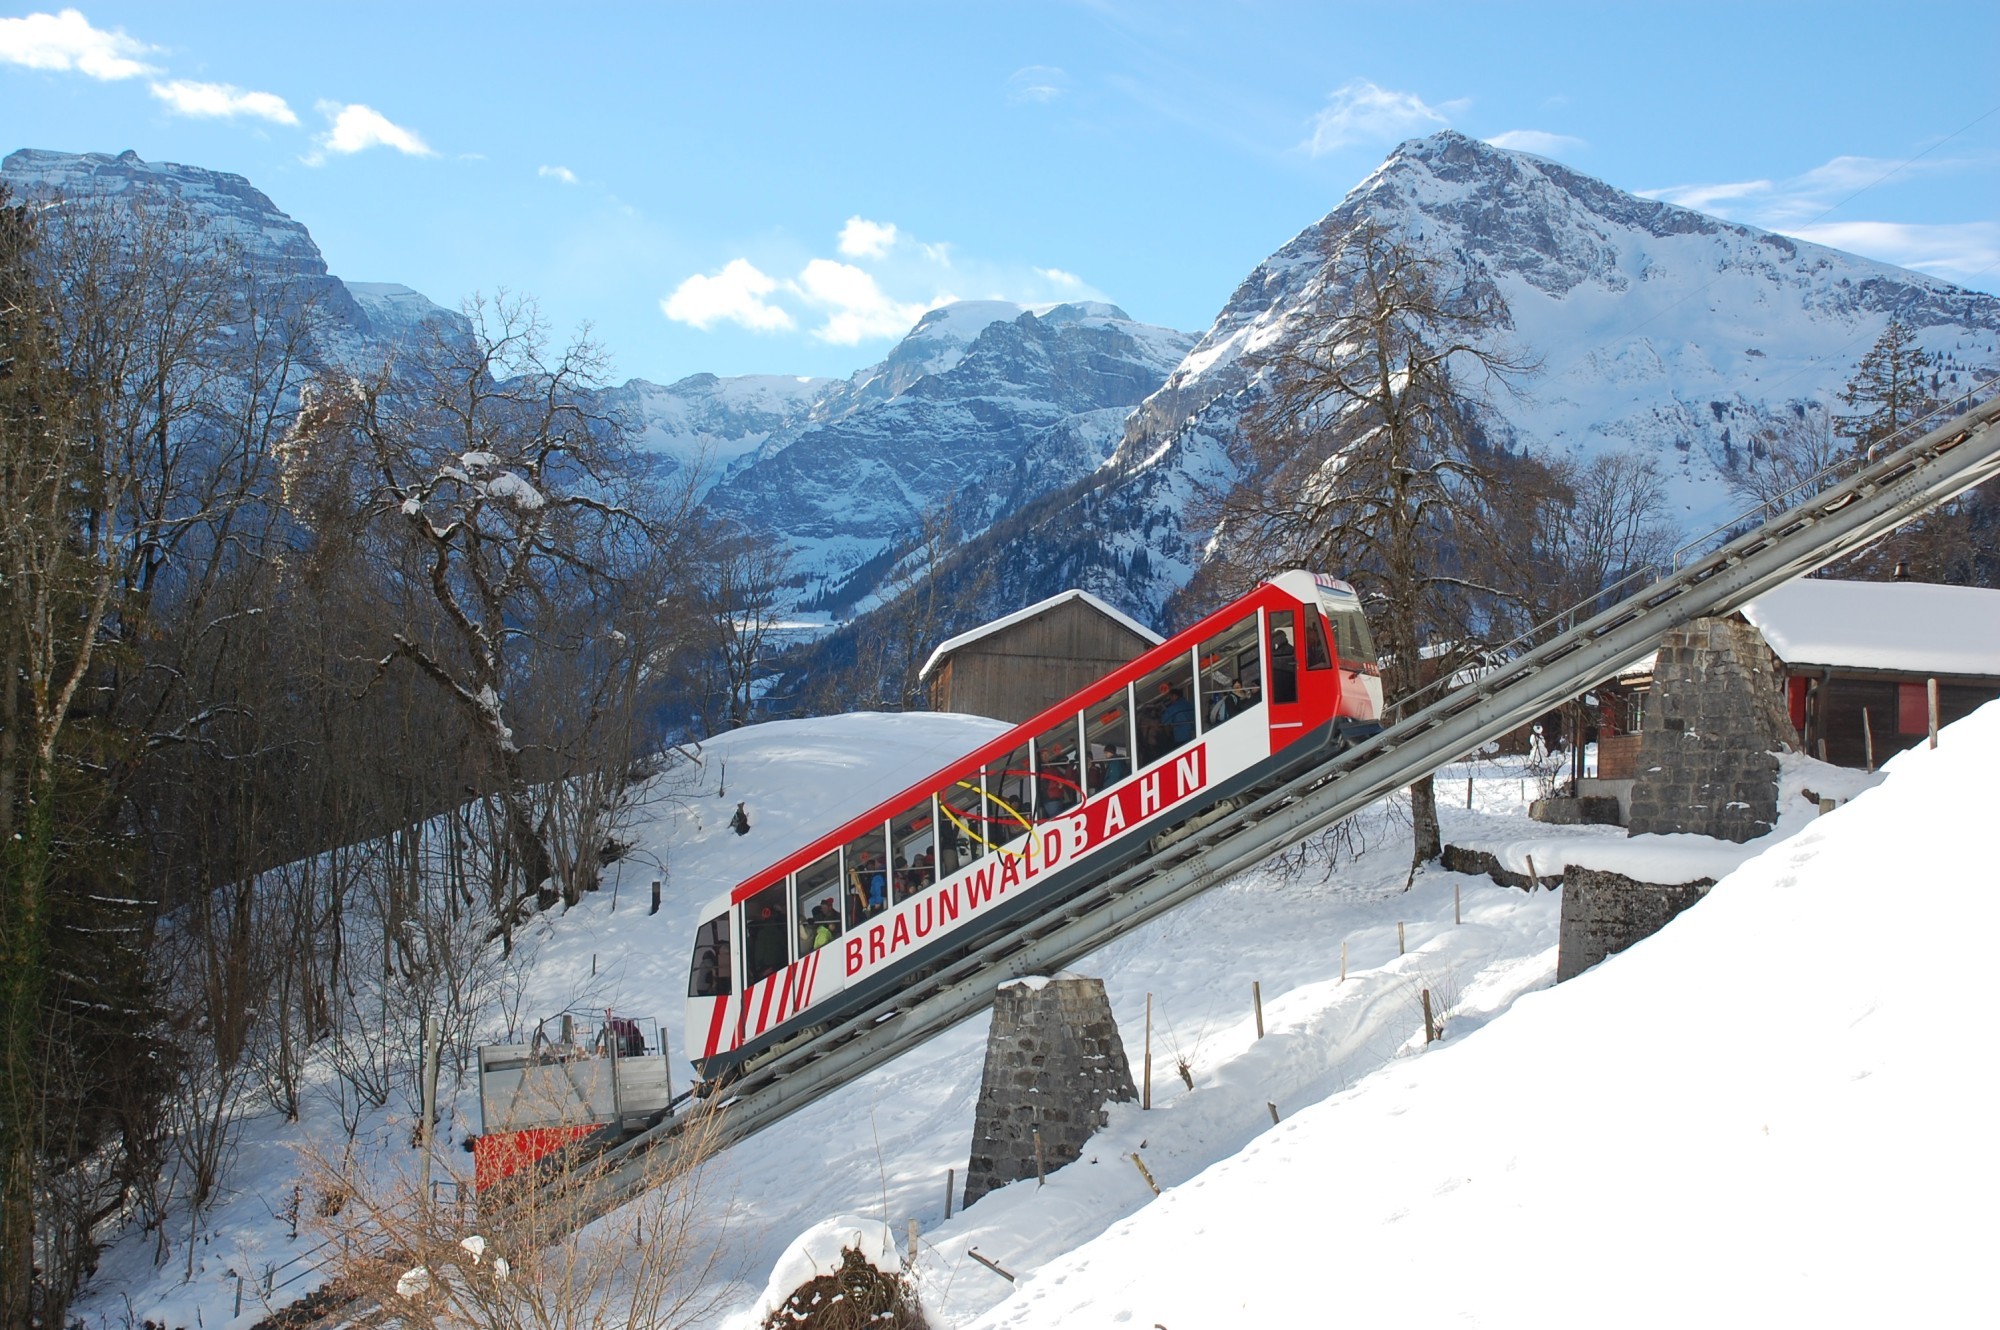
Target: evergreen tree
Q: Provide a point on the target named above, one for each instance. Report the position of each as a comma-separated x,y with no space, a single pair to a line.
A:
1891,387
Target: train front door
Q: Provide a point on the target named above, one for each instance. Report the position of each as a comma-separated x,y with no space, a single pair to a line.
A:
1301,684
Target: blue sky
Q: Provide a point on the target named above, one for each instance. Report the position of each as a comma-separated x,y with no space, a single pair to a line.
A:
781,188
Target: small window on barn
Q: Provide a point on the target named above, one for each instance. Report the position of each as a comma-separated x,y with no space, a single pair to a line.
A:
1913,709
1108,731
1231,680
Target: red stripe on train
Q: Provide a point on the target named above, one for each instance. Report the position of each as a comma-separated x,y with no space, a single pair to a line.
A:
714,1044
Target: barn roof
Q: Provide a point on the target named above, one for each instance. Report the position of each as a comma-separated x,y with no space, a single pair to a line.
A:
950,645
1906,627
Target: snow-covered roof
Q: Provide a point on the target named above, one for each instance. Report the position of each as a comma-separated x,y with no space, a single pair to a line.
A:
1912,627
950,645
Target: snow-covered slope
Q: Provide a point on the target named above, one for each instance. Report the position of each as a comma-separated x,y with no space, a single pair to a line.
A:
1721,1117
1659,329
1767,1114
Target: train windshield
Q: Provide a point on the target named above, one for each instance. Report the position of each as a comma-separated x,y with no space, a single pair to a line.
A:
1351,638
708,976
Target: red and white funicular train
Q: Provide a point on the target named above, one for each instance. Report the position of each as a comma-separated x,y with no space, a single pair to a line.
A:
1256,690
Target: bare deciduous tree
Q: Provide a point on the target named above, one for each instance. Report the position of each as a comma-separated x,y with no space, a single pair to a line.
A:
1365,458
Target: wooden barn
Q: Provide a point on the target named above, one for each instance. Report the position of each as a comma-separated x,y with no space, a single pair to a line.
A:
1027,661
1856,659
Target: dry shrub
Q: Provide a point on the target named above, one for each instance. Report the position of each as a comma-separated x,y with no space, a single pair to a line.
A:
856,1297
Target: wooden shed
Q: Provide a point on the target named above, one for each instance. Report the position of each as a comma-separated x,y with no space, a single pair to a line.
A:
1031,659
1857,657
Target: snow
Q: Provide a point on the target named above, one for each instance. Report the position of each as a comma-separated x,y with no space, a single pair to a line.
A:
1719,1117
1765,1114
971,635
1907,627
511,488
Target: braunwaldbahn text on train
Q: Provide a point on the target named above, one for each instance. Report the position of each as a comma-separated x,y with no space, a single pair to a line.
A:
1252,693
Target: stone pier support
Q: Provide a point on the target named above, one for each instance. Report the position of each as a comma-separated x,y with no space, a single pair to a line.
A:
1053,1061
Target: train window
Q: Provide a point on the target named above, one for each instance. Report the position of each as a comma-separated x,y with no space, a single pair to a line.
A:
961,808
1166,709
1351,637
765,947
866,861
1107,728
1009,798
1284,658
1232,678
1317,656
1058,781
817,903
913,841
708,974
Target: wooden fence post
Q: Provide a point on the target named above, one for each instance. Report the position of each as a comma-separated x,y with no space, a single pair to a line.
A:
950,1188
1534,878
1401,950
1931,691
1140,1164
1146,1087
1457,910
1257,1000
913,1243
1868,738
1274,1111
1430,1026
1343,960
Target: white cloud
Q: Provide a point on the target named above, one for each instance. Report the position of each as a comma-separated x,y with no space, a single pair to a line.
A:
860,308
356,128
1540,142
1036,83
562,173
1703,198
1959,252
1059,277
734,295
223,101
66,41
1361,112
863,239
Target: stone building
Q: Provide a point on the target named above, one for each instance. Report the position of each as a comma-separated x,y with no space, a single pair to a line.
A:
1017,666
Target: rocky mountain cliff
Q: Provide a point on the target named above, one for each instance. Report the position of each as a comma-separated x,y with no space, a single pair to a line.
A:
1659,329
982,408
360,320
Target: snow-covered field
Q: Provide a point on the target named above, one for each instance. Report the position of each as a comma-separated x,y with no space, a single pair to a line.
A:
1765,1112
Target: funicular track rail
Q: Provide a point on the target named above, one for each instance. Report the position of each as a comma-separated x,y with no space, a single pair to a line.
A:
1877,498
